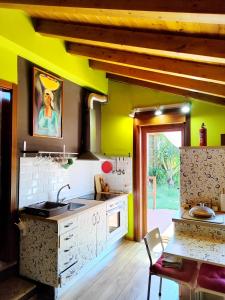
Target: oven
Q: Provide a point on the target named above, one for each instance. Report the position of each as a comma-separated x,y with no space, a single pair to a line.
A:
115,219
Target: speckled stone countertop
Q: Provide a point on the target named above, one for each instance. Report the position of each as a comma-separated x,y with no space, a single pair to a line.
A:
178,218
89,204
190,246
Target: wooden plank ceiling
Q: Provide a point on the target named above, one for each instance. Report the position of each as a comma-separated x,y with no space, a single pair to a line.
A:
176,46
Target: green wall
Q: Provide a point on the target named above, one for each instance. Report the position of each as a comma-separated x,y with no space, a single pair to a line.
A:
17,37
214,118
8,64
117,126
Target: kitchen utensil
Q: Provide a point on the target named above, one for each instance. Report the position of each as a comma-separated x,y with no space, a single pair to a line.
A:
106,188
102,183
98,186
107,167
201,211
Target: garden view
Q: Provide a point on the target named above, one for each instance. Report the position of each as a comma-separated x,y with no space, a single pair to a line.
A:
164,165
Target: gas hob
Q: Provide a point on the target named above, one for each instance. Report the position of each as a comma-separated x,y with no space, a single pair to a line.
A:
99,196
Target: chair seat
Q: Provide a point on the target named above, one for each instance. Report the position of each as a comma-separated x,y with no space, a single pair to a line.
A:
188,271
212,278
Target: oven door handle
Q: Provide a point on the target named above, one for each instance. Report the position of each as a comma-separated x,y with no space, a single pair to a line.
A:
113,211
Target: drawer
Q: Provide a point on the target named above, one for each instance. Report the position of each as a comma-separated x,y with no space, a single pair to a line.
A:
67,225
68,239
69,274
67,257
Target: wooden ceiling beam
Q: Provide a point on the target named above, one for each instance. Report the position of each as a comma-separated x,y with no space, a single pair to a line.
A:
194,70
156,43
165,79
167,89
183,6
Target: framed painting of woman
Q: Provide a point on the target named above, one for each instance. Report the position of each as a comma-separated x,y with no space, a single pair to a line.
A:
47,104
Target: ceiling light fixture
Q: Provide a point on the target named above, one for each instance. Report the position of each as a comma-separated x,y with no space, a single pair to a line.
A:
131,114
158,111
185,109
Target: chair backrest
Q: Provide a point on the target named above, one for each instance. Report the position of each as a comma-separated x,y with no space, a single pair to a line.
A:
153,239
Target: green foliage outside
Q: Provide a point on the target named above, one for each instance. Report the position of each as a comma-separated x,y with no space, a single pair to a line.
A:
164,163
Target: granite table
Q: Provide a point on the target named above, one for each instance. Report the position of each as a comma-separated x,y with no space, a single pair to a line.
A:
201,249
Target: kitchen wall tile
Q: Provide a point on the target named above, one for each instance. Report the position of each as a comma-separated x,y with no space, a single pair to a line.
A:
202,175
120,179
40,179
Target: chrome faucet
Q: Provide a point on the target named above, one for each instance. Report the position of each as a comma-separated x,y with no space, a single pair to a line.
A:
61,200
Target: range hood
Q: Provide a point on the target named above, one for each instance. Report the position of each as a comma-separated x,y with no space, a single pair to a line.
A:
91,127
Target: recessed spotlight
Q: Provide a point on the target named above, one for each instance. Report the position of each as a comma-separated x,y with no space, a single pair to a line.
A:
158,112
132,114
185,109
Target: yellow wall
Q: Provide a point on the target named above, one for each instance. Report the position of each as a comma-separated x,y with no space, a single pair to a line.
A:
18,36
214,118
117,126
8,65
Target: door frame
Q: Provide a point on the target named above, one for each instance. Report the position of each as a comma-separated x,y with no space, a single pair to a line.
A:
10,235
142,124
144,135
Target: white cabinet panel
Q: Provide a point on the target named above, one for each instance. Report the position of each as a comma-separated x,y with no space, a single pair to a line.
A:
68,224
69,274
125,219
69,238
101,229
67,257
86,237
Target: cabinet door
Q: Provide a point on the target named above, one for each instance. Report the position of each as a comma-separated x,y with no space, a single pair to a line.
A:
86,237
126,215
101,228
68,249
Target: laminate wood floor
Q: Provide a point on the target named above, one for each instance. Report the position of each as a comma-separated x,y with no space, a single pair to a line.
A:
121,275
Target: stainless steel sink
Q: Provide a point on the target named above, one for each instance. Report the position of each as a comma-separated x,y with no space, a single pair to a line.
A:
46,209
73,206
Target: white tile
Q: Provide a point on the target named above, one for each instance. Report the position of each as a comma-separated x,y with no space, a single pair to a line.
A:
42,179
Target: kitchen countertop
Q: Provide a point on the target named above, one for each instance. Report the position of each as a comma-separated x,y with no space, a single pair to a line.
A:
89,204
178,218
201,249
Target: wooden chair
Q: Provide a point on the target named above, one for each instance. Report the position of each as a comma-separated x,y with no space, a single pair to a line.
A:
187,275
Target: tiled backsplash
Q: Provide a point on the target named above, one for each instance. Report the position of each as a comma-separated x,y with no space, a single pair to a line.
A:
202,174
40,179
120,179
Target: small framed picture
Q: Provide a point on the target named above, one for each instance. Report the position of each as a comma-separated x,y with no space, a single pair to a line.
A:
47,104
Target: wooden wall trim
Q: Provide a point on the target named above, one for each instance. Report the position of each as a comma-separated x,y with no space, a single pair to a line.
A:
137,181
140,131
13,239
9,251
6,85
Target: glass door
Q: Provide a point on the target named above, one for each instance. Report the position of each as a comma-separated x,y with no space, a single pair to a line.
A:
163,177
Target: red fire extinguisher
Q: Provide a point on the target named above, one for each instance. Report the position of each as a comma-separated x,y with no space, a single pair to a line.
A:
203,135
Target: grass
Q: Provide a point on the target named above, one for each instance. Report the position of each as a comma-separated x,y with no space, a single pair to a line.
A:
166,197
